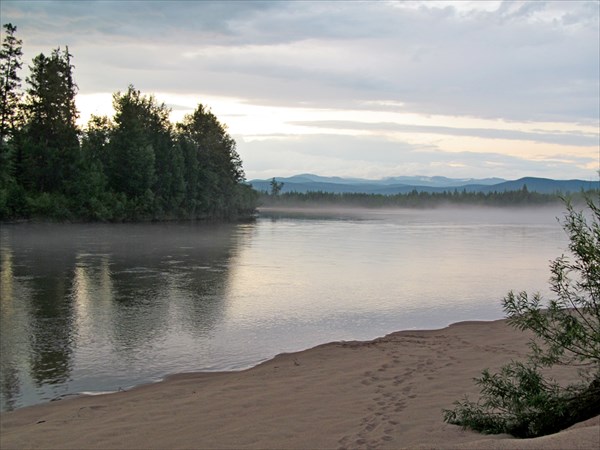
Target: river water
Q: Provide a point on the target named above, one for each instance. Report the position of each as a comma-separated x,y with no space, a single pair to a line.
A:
103,307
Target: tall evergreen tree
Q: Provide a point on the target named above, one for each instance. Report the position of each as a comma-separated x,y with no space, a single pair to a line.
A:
51,143
10,82
131,167
10,98
212,150
145,164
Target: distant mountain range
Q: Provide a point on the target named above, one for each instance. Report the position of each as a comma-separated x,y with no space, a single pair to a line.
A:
402,185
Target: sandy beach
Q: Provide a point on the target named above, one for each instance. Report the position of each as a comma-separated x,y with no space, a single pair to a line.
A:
385,393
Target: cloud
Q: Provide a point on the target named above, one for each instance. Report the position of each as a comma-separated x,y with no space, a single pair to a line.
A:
132,20
515,61
512,62
375,157
574,138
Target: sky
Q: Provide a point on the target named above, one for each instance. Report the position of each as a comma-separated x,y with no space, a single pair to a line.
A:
367,89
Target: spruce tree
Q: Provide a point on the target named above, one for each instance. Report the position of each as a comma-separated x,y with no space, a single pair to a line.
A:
10,82
10,99
51,143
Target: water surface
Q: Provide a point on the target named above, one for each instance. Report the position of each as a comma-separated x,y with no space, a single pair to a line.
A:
90,308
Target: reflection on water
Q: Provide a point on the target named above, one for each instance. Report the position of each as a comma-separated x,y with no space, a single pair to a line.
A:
95,302
102,307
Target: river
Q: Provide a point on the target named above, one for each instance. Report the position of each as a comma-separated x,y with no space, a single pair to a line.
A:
102,307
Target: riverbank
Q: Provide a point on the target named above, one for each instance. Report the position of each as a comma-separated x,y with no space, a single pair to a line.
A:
385,393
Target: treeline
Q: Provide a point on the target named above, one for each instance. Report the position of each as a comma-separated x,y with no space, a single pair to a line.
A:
136,165
419,199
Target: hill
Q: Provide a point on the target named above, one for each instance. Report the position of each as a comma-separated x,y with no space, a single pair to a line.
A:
401,185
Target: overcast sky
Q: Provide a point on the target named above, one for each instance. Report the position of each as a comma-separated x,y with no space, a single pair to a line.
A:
363,89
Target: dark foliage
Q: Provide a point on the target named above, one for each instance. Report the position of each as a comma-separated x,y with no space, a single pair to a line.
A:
135,166
415,199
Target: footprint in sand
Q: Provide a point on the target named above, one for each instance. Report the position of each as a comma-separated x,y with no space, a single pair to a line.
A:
400,405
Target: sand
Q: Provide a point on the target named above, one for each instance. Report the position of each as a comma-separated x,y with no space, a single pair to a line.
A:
385,393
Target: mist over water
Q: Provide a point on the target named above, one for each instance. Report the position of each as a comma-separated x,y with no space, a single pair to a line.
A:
101,307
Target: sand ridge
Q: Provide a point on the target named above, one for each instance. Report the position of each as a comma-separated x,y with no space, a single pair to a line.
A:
385,393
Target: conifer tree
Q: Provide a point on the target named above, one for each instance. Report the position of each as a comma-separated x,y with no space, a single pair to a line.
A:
51,144
131,167
215,186
10,82
10,99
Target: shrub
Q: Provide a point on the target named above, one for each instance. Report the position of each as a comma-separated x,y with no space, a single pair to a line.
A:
520,400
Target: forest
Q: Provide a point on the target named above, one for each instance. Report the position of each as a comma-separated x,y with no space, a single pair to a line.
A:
135,166
419,199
